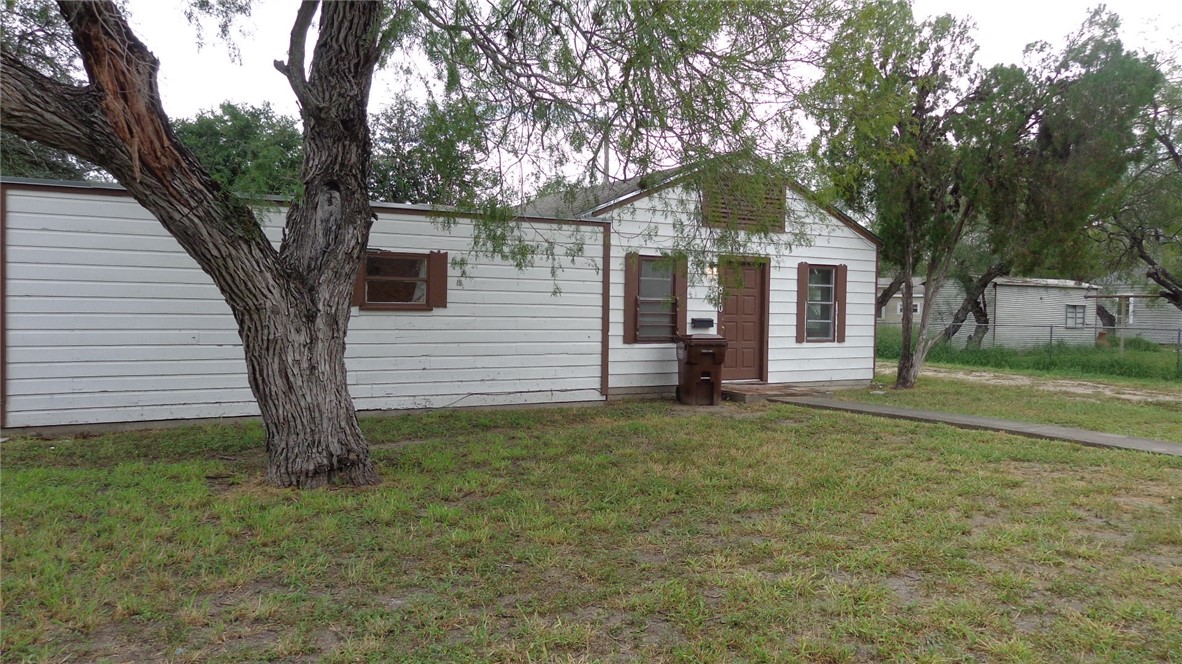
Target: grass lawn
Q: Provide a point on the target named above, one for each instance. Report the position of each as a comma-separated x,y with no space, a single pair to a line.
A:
645,532
1141,362
1159,418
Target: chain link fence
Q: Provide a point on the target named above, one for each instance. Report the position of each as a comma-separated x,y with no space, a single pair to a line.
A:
1126,350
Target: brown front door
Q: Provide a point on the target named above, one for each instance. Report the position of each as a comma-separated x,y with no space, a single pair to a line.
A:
744,321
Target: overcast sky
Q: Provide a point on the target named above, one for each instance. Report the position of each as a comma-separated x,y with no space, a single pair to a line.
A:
193,79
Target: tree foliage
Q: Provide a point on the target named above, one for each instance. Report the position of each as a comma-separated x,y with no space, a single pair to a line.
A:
1139,224
429,153
423,153
251,150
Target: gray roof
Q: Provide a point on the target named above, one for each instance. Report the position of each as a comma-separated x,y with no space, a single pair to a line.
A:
581,202
1044,283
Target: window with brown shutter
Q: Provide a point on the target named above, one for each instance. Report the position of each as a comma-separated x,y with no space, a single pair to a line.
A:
400,281
820,303
745,202
655,291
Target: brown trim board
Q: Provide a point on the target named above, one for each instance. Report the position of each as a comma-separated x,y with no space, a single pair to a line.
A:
766,270
874,342
605,313
838,215
103,189
608,206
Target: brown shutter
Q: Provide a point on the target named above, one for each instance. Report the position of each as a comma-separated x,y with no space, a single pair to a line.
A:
802,300
437,279
631,292
681,292
359,284
839,298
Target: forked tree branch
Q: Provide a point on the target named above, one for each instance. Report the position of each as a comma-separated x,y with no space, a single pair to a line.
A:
293,69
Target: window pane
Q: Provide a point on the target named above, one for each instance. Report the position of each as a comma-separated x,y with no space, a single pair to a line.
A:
820,276
408,292
656,331
819,330
656,288
656,279
655,306
388,266
820,312
820,293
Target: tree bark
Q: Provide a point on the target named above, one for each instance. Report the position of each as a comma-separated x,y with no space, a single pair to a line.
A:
291,305
906,372
972,294
1106,317
981,318
1171,284
884,297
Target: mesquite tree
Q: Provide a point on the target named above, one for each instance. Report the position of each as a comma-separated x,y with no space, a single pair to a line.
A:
937,149
564,79
1140,223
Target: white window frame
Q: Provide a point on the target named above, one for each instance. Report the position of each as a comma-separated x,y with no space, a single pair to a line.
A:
832,302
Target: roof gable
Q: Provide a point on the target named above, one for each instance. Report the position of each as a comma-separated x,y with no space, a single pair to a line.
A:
598,200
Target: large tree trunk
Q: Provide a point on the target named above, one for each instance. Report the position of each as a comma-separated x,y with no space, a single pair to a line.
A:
981,318
908,369
296,364
291,305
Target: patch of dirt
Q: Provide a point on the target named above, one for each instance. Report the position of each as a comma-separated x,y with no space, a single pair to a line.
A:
906,586
1080,387
113,643
407,598
659,632
1032,622
252,592
649,556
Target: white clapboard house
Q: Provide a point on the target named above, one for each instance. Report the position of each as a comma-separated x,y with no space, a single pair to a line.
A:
106,320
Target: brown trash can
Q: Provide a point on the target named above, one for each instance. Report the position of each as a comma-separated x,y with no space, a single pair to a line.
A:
699,369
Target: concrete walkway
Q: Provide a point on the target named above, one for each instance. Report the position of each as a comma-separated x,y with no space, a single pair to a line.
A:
1046,431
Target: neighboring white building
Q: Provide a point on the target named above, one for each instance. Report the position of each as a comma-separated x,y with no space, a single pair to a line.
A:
1138,312
1023,312
1026,312
107,320
1154,319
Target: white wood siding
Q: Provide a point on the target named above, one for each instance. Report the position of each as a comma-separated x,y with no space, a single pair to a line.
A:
1023,316
1153,319
110,321
651,224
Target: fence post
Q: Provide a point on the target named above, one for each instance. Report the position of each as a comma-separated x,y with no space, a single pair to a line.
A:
1051,345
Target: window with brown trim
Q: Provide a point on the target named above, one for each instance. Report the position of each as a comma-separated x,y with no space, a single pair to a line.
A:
401,281
820,303
655,291
745,202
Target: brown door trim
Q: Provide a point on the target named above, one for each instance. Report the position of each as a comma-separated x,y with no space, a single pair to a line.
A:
763,269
